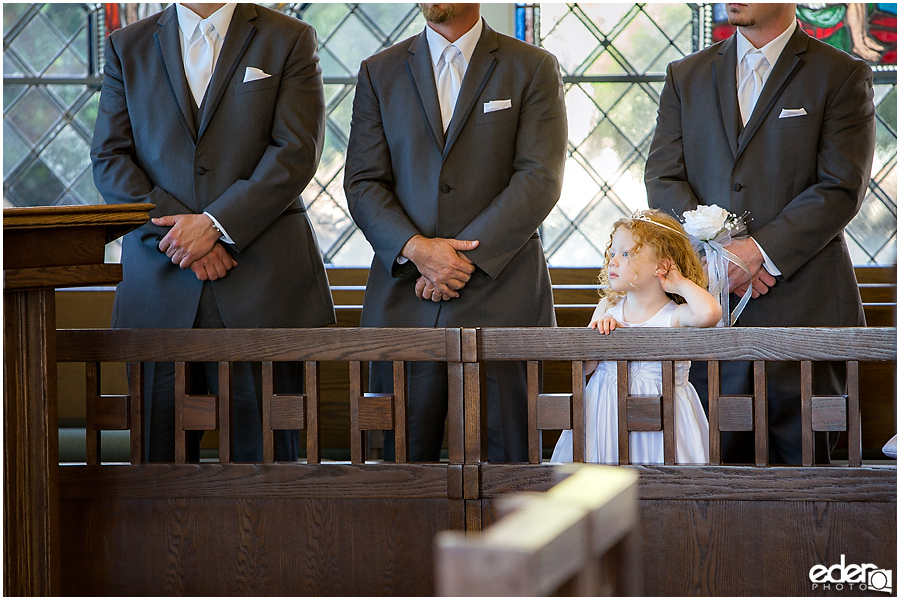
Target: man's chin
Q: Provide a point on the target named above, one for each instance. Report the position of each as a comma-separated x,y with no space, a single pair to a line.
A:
438,13
737,18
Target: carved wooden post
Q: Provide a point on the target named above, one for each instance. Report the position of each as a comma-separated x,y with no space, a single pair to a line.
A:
43,249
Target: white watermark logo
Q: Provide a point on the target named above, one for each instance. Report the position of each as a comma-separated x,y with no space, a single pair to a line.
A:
842,576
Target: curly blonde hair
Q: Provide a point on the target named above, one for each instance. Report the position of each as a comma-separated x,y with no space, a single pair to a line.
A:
668,239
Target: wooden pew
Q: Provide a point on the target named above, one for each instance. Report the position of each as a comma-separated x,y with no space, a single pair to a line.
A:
317,527
579,538
365,528
722,530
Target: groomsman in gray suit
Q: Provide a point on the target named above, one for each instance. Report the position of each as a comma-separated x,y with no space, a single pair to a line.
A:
779,125
456,156
215,114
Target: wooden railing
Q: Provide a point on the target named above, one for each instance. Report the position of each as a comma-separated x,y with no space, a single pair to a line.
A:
369,412
727,413
399,507
579,538
464,351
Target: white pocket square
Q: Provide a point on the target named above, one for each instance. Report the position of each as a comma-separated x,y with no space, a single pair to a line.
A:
787,113
252,74
494,105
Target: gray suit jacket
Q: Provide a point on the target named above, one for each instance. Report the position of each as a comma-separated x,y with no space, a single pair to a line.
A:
246,163
802,179
493,178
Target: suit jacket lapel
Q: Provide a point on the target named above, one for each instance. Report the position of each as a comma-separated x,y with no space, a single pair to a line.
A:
784,69
725,79
168,47
240,32
421,71
479,70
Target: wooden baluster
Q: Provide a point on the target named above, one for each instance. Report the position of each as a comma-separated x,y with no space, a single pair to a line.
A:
103,413
401,427
668,411
225,413
91,435
192,413
370,412
622,381
475,410
534,435
806,392
280,412
180,434
138,432
474,387
456,399
715,436
760,413
268,390
313,454
854,429
578,380
357,436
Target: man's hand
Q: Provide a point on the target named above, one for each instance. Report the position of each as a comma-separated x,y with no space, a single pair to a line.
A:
441,261
759,278
425,290
214,265
190,239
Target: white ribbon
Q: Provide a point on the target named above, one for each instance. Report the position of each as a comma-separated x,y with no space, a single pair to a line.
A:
717,259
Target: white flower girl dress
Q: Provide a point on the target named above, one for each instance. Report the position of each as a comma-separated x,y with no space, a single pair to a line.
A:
645,378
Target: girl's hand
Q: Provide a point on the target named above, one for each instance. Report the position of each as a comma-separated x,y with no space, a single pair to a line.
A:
604,325
669,276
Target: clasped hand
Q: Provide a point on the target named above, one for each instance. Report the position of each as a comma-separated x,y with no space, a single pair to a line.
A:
192,243
444,268
761,280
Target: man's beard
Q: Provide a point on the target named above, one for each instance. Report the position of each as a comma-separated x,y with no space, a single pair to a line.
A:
439,14
737,20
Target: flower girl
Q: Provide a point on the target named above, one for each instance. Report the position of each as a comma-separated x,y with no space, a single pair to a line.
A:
652,278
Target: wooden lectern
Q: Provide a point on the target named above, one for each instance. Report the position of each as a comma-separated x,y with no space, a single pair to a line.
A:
43,249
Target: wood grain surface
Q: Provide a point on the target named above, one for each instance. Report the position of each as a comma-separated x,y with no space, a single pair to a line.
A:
650,343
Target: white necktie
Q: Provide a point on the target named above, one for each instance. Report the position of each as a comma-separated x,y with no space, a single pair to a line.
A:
448,83
200,57
754,67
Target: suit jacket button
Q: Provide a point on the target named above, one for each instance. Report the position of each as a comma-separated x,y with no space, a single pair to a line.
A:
445,188
736,187
200,171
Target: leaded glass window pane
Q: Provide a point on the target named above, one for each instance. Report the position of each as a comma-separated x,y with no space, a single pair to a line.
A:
613,58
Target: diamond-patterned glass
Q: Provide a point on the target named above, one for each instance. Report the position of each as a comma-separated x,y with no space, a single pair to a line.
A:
38,186
613,58
32,115
68,155
14,149
67,19
12,15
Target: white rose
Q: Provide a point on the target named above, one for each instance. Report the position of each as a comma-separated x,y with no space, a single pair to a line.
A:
705,222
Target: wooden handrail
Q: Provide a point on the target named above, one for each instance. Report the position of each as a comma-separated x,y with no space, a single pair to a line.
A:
647,343
465,349
552,543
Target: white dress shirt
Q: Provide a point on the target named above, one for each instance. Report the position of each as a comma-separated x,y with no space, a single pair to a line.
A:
466,44
772,51
188,23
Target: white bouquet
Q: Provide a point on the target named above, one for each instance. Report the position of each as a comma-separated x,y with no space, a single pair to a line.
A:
711,228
